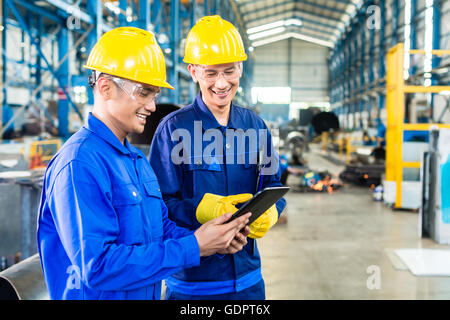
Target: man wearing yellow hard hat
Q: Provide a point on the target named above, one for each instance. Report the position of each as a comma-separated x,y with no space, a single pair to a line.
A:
199,180
103,230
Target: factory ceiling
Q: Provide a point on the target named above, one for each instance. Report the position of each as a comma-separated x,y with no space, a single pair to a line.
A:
318,21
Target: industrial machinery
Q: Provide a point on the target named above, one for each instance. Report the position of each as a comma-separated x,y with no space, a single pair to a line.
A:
144,140
297,144
434,214
324,122
404,141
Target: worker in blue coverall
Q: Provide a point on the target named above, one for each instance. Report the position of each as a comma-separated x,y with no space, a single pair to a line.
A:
7,114
204,173
103,230
381,133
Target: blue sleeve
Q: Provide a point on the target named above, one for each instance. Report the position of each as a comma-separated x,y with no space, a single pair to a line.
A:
88,227
170,178
171,230
272,179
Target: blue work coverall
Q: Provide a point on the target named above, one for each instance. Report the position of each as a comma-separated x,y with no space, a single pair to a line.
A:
103,230
183,185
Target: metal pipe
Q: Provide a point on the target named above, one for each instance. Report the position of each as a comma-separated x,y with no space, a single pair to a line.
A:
24,281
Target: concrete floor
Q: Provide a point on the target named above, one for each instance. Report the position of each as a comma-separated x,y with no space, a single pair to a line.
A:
330,240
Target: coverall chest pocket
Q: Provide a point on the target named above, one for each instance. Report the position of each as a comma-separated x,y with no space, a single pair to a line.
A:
201,177
243,174
153,209
127,203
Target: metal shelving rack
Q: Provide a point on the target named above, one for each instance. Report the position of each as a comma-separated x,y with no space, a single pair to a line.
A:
396,126
358,60
71,28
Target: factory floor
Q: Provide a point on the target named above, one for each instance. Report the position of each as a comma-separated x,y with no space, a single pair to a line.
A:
332,245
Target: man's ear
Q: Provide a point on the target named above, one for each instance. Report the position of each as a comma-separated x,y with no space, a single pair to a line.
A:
104,87
193,72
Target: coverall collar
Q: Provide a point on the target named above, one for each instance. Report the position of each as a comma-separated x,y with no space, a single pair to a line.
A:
99,128
208,119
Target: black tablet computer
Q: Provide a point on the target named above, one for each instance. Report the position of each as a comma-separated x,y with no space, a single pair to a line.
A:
260,203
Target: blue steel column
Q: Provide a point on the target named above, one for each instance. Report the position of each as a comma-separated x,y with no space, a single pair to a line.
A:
174,46
331,67
38,57
348,55
436,46
4,60
206,7
63,75
413,34
362,76
372,101
144,14
342,63
381,56
95,7
156,14
214,7
394,28
123,4
436,32
354,73
371,55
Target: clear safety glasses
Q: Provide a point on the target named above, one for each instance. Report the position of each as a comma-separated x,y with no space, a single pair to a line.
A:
142,95
209,74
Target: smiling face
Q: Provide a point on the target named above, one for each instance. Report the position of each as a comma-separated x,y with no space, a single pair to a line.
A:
127,105
218,83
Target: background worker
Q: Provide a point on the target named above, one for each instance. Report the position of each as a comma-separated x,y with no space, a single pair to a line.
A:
7,114
103,231
197,190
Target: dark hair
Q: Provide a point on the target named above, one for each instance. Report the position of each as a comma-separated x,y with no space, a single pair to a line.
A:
93,77
91,80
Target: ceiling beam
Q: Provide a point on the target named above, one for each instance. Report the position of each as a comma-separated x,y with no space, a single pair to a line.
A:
295,14
322,7
317,33
309,3
297,35
347,2
295,7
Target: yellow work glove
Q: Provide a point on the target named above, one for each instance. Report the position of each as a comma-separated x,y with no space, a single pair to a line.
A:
260,226
213,205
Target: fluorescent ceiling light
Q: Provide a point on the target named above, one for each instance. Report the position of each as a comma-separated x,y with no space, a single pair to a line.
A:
112,7
276,24
266,33
293,35
266,27
293,22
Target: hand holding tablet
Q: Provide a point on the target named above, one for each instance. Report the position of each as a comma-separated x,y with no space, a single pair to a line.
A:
260,203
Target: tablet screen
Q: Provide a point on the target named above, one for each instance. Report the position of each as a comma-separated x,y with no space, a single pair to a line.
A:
260,203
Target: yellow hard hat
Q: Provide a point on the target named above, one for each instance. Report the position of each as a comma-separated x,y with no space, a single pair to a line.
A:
213,40
129,53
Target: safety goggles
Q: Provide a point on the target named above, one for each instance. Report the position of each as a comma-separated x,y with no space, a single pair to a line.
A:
208,74
142,95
